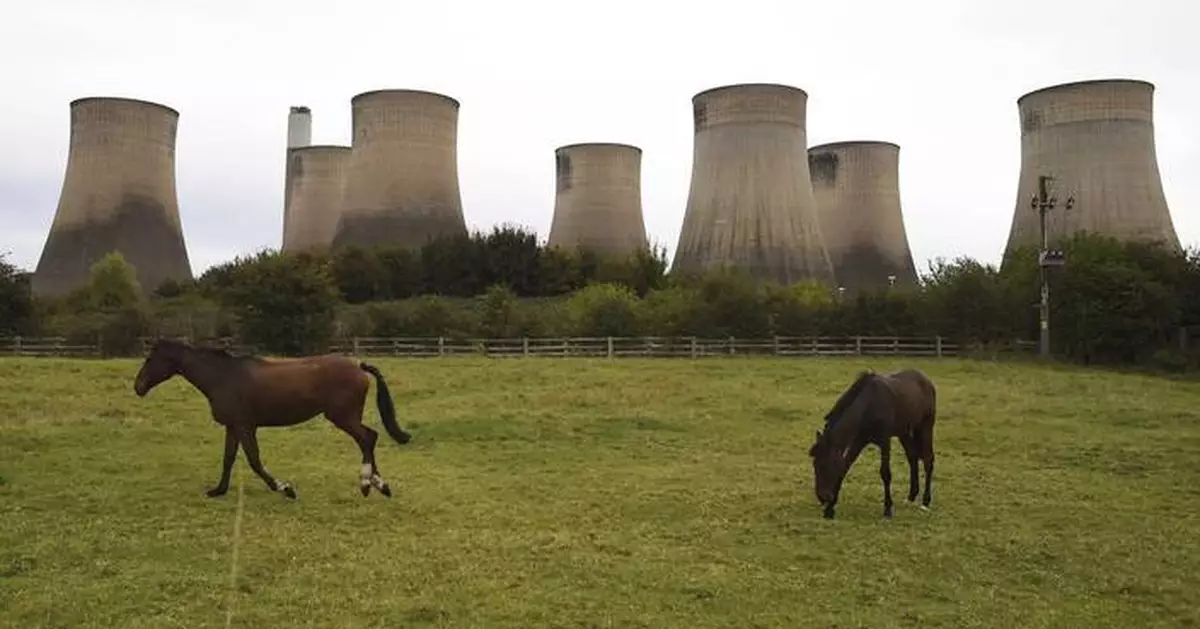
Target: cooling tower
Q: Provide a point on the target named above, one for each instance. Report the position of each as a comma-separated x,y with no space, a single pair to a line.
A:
318,175
402,177
857,188
1096,139
598,202
118,194
299,133
750,204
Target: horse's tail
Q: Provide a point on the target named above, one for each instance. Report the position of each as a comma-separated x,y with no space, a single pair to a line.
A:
387,410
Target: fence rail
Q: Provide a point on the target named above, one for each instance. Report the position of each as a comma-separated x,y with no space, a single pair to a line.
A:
592,347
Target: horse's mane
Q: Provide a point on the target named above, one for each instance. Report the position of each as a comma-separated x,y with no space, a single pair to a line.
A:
211,351
846,398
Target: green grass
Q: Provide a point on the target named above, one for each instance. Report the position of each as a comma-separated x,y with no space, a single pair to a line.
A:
574,493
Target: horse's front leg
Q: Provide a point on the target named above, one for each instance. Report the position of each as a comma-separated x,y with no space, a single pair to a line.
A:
249,439
885,473
231,446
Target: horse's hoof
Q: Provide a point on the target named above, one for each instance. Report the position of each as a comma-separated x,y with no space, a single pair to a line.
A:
924,507
365,489
289,492
216,491
385,490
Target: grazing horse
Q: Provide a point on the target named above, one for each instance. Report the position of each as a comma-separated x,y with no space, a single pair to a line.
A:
874,409
246,392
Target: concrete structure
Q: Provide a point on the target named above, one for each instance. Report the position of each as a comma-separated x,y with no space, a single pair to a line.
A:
318,176
857,188
750,204
1096,138
598,202
299,133
118,194
402,178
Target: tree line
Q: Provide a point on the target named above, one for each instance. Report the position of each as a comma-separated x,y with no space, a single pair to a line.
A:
1113,302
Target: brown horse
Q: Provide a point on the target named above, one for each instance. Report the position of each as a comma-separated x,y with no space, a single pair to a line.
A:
873,410
246,392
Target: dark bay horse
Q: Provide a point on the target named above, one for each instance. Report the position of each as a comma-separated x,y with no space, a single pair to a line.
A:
874,409
248,392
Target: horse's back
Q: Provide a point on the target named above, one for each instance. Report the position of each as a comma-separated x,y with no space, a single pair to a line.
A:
915,391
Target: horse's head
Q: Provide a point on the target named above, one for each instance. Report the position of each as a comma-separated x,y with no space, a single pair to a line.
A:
160,365
829,468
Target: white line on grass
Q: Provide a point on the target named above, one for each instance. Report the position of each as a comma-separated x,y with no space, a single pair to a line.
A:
233,563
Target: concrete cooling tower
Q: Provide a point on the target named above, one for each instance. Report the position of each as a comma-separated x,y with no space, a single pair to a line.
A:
1096,139
118,194
857,188
402,177
598,203
318,175
750,204
299,133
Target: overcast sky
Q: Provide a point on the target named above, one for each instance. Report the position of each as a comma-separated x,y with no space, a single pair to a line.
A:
938,77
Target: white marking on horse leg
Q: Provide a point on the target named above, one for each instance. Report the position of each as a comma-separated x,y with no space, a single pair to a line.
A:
377,481
923,507
365,474
281,485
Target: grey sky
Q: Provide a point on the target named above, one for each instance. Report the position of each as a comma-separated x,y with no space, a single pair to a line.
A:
938,77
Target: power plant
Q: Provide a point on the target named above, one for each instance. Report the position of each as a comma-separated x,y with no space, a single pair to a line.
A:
598,198
857,188
317,178
299,133
402,177
1096,140
750,202
118,195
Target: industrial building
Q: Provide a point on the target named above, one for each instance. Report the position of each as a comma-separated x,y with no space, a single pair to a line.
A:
750,202
317,181
402,177
598,198
857,188
118,195
299,133
1096,140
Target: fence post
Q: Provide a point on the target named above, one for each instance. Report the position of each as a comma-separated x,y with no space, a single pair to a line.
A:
441,346
525,345
17,346
858,346
610,347
895,345
731,344
775,345
938,345
354,344
693,347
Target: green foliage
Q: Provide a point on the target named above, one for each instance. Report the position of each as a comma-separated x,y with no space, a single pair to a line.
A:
16,301
283,303
1112,303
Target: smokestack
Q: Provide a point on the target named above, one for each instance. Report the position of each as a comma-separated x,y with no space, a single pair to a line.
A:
857,188
598,203
318,175
750,204
402,178
118,194
1096,139
299,133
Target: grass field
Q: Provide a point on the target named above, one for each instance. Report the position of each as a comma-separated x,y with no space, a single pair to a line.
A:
573,493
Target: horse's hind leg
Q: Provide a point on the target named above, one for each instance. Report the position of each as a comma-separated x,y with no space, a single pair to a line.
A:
249,441
885,474
925,445
366,438
909,442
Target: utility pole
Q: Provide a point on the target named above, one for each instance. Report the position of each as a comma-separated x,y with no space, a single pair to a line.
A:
1043,203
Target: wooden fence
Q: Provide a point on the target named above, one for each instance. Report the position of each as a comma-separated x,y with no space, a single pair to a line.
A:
593,347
